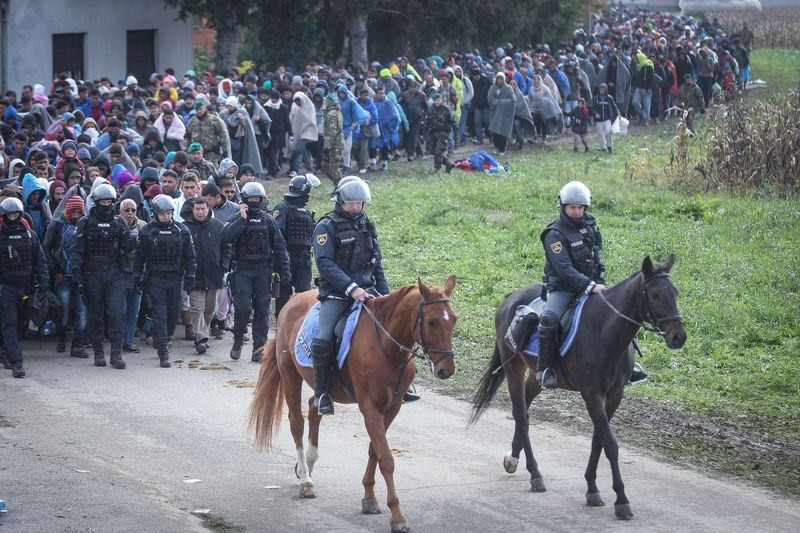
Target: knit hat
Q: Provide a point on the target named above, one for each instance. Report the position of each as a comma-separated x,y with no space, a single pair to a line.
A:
75,203
131,80
133,149
232,101
195,146
210,189
153,191
436,96
124,178
199,103
69,143
149,173
56,184
190,74
297,80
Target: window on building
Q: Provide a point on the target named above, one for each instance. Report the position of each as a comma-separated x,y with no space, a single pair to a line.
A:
142,54
68,54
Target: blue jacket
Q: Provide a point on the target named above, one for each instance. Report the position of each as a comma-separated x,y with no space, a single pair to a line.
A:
372,113
352,112
561,82
40,211
389,122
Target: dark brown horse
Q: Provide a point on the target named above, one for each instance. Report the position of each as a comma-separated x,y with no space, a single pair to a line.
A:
597,365
380,367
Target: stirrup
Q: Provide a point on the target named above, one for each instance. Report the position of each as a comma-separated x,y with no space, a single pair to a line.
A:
411,395
324,404
638,375
547,378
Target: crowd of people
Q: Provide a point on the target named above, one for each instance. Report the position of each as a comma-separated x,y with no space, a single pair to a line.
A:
138,204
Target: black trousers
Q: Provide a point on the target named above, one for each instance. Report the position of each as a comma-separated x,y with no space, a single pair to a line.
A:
105,305
300,265
165,305
10,308
252,291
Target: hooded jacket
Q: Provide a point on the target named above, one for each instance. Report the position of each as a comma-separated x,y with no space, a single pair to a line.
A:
213,256
40,211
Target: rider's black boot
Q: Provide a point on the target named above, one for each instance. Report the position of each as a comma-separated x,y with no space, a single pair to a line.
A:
320,352
547,350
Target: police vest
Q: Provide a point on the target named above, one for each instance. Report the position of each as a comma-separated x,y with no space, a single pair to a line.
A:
102,241
16,263
299,227
254,245
356,243
581,245
166,247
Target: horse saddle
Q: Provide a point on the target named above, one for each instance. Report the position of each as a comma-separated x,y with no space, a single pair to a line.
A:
526,319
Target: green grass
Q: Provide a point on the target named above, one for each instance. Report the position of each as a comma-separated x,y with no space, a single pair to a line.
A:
736,269
778,67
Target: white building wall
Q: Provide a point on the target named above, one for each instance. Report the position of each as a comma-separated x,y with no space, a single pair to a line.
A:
31,24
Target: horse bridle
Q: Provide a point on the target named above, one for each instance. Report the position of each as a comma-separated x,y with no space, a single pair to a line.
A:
649,315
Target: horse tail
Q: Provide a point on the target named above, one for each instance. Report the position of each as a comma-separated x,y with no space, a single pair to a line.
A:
266,408
492,378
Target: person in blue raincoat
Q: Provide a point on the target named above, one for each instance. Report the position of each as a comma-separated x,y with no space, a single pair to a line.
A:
367,134
34,194
352,115
389,123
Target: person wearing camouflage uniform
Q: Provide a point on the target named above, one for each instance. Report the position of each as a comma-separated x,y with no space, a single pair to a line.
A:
210,132
440,124
334,141
690,99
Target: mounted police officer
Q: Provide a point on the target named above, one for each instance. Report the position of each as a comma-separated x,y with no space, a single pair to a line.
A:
164,258
296,223
572,246
101,240
349,263
258,250
22,263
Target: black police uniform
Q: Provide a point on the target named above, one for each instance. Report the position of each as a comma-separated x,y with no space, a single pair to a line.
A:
258,249
572,266
164,258
296,223
22,262
348,257
97,255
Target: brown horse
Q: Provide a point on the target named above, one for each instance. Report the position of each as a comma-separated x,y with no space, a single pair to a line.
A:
379,368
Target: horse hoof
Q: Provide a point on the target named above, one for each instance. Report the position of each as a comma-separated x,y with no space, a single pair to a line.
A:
510,463
307,490
593,499
399,525
623,511
370,507
537,484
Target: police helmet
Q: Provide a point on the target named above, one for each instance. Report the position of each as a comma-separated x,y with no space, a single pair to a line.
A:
104,191
161,204
10,205
352,189
301,185
252,189
576,193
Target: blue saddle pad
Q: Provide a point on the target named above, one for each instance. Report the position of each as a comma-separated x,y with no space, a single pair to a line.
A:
308,330
533,344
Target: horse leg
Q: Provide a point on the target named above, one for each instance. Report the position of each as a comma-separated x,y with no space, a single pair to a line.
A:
294,385
369,504
595,404
515,372
532,389
374,422
314,419
592,492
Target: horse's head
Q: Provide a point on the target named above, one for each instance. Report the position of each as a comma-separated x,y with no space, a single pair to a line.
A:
434,327
660,301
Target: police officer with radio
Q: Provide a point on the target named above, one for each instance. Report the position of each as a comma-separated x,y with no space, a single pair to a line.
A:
22,262
164,261
349,264
258,250
296,223
101,240
572,246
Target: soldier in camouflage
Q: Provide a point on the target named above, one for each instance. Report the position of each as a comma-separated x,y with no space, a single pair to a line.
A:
440,125
334,141
210,132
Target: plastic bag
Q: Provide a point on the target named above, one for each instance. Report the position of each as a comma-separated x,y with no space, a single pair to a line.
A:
615,126
623,125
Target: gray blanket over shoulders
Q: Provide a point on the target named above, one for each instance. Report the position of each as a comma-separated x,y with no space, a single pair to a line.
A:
502,107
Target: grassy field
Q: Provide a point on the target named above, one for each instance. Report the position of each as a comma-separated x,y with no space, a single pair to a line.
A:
779,68
737,270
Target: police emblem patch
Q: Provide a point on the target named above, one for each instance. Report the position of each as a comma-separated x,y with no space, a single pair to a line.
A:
556,247
322,238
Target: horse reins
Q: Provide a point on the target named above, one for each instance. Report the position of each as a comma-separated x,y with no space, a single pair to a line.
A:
413,351
650,316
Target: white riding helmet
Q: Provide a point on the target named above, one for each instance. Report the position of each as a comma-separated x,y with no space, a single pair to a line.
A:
575,193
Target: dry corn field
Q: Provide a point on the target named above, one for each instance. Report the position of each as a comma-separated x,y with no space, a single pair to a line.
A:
772,28
757,146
